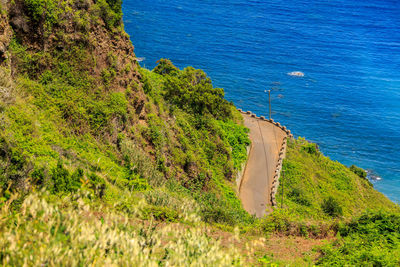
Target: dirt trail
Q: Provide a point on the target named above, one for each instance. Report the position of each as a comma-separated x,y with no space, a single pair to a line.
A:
257,178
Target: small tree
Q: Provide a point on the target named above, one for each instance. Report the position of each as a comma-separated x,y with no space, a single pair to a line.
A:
165,67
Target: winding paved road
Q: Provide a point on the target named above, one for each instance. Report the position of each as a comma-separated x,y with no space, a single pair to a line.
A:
257,178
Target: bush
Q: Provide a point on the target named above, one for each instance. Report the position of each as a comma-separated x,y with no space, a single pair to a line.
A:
115,5
111,12
238,139
14,165
357,170
372,239
165,67
147,87
63,181
215,210
97,184
38,176
193,91
298,196
310,148
331,207
46,10
164,214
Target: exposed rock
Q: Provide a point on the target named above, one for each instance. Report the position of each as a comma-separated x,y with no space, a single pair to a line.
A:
19,24
5,37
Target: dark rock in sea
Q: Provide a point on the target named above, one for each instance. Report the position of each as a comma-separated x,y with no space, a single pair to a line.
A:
372,175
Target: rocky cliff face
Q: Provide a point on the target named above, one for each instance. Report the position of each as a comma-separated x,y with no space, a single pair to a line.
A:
5,37
61,38
67,26
71,63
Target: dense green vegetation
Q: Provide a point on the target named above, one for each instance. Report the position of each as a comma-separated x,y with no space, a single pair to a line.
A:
103,162
357,170
372,239
73,122
209,148
71,125
315,187
50,13
321,197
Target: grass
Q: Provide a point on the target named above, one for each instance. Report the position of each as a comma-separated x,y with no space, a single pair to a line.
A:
371,239
103,162
66,120
315,187
69,232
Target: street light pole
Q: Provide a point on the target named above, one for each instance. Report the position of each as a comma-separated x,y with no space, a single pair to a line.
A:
269,97
283,177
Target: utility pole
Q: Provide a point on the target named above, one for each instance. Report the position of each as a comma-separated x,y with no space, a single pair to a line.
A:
283,176
269,97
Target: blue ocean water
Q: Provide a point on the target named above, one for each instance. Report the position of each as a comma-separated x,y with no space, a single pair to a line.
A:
349,100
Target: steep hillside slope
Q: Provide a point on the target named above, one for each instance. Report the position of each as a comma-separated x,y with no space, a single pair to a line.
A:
79,111
103,162
316,187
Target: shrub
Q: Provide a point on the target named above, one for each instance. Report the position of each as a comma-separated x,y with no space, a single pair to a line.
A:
298,196
215,210
278,221
38,176
310,148
193,91
147,87
372,239
138,184
357,170
46,10
164,214
108,75
237,138
63,181
118,104
14,165
165,67
97,184
110,12
156,131
331,207
115,5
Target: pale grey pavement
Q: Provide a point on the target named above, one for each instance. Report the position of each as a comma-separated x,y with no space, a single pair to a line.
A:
258,175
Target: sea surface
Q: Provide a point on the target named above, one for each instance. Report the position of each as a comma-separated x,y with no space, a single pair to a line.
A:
349,99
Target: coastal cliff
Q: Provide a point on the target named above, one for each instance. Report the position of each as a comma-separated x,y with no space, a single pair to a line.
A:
104,162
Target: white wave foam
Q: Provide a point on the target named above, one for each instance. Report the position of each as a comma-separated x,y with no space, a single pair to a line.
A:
296,74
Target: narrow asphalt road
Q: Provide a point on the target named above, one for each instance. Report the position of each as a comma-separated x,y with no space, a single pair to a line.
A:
257,178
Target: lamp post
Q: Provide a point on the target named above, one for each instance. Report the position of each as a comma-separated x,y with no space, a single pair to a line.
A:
269,99
283,177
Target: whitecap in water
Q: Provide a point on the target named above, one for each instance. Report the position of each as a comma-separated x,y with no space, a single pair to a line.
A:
296,74
371,175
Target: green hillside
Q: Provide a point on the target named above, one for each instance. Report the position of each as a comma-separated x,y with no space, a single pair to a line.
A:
318,188
103,162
